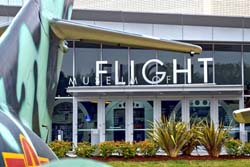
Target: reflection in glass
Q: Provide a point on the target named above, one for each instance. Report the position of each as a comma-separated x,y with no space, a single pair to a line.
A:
62,120
66,73
140,56
226,108
84,136
198,67
112,54
227,64
140,135
247,102
246,69
167,58
199,109
87,120
115,120
171,108
115,135
87,115
86,56
142,116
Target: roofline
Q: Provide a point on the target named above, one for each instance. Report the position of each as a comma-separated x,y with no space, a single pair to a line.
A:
147,17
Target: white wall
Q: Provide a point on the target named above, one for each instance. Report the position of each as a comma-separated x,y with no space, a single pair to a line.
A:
179,32
227,34
138,28
197,33
167,31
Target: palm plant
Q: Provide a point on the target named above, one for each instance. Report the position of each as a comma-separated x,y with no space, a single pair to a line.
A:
170,135
212,138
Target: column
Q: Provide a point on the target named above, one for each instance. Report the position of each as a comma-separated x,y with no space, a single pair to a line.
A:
74,123
157,109
129,119
185,110
243,133
101,119
214,113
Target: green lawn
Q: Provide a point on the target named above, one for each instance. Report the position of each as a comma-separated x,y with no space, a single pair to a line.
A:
184,163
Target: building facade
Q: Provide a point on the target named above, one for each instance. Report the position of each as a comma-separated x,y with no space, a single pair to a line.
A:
115,92
112,92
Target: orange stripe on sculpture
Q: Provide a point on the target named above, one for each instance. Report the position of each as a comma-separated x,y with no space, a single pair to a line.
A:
29,158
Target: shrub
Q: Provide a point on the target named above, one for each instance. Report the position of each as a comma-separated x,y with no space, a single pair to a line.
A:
60,148
106,148
147,147
126,149
84,149
246,148
170,135
212,138
193,142
233,147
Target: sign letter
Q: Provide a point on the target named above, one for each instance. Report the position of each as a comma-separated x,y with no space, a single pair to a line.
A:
98,71
205,60
117,82
175,70
132,72
163,74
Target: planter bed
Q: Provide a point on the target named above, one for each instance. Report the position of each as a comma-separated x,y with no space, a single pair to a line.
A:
167,158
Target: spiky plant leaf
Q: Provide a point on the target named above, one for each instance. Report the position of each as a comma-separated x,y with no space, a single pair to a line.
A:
170,135
193,142
212,138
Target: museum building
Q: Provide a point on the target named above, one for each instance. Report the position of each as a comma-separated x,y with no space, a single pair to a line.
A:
113,92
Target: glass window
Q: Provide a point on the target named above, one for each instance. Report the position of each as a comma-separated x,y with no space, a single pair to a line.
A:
199,109
226,108
143,117
112,54
115,120
171,108
167,58
247,102
227,64
140,57
87,115
87,120
247,69
86,56
198,66
66,72
62,120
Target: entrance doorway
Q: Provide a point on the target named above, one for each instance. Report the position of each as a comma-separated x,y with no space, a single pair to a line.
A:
142,119
130,118
87,120
115,120
199,109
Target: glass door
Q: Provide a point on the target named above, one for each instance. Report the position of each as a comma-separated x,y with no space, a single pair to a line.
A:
226,108
62,120
115,120
171,109
199,109
87,121
142,118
